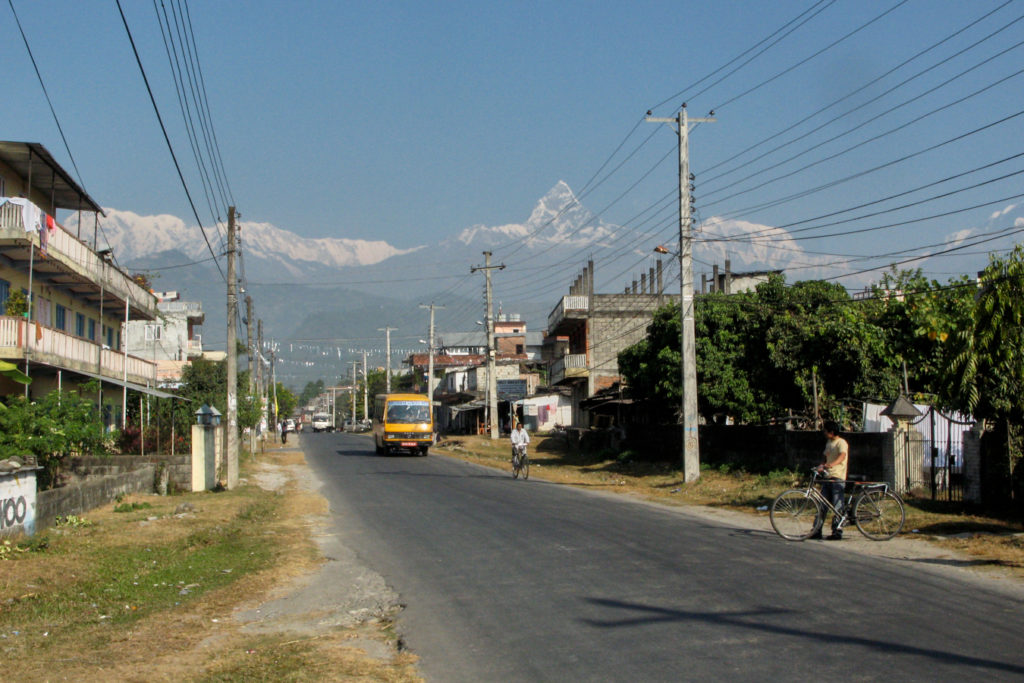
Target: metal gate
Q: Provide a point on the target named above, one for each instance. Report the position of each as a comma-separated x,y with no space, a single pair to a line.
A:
942,469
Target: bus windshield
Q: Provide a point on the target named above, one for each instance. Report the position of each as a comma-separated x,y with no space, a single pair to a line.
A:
408,412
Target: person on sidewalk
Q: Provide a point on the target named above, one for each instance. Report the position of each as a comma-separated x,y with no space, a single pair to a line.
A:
837,458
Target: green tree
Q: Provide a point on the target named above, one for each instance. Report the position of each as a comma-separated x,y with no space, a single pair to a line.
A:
986,374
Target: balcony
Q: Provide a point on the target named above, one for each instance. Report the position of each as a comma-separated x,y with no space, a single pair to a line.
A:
68,263
194,347
569,367
20,338
572,307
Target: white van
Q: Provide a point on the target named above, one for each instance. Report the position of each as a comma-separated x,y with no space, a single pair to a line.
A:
322,423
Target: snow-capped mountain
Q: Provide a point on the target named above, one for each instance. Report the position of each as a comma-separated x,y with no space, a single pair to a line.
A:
558,219
134,237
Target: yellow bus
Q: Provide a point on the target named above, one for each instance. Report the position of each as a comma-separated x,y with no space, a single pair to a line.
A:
402,422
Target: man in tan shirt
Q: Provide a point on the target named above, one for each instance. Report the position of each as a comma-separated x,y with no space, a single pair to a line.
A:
837,458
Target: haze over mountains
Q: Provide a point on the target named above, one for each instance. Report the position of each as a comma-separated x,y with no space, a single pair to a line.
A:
340,291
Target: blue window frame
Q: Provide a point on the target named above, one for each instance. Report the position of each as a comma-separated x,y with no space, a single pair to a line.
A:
92,330
61,317
79,324
5,292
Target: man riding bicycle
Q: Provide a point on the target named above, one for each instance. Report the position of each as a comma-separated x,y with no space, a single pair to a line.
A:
520,438
836,460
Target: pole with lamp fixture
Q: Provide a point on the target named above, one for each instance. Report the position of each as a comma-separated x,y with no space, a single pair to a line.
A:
688,355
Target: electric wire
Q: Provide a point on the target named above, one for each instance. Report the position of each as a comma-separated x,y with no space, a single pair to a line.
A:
167,139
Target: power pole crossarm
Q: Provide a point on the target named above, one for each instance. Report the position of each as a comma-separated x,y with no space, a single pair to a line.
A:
688,359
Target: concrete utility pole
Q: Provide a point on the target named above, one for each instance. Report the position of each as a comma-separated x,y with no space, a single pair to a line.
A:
430,360
352,391
387,361
260,393
248,341
366,390
492,384
688,358
232,416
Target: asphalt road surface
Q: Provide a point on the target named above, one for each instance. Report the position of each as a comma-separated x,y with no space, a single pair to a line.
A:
506,580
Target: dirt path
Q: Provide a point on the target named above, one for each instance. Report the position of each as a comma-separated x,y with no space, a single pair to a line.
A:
340,594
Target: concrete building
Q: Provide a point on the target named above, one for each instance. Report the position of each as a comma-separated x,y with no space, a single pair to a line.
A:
586,331
728,282
172,340
79,298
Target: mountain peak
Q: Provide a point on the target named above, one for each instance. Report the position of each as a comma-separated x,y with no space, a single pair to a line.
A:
557,218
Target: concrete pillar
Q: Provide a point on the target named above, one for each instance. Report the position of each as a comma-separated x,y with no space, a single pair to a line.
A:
972,463
643,283
714,279
661,286
728,276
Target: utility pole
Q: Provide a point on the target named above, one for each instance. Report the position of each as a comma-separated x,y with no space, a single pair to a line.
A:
232,416
688,356
352,391
430,360
273,380
366,390
492,384
248,340
387,361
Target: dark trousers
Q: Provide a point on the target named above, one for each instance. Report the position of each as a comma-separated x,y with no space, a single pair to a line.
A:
832,489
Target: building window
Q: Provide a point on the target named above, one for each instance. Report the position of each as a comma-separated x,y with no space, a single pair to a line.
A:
61,315
5,293
519,348
110,337
79,324
92,330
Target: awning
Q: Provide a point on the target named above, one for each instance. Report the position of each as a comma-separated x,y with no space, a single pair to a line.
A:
131,385
478,404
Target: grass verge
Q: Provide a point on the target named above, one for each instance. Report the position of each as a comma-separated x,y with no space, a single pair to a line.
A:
992,541
144,590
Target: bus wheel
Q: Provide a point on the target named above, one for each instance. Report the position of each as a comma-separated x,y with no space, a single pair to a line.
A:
424,450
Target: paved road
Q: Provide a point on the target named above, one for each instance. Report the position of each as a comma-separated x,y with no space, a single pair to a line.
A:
508,580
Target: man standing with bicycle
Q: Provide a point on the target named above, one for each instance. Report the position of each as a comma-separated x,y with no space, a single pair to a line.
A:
836,456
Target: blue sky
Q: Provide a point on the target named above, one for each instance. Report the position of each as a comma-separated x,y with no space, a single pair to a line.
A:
409,121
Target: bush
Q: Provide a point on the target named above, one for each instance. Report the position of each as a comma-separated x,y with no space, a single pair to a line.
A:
52,429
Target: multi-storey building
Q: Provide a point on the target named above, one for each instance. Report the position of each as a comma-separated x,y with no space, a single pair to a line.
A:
79,299
586,331
171,341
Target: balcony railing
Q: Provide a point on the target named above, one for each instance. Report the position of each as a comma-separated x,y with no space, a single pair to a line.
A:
568,367
43,344
78,258
572,306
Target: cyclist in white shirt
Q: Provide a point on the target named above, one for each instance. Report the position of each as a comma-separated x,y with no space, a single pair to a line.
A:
520,437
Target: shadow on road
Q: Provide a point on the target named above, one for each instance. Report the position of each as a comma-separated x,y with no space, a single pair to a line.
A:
636,614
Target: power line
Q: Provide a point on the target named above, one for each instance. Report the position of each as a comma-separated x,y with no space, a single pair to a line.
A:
167,139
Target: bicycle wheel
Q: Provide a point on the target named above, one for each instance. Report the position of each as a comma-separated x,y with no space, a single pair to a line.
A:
795,515
524,466
515,466
878,514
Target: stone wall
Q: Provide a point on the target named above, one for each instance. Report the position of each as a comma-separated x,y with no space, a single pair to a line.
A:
179,467
758,449
76,499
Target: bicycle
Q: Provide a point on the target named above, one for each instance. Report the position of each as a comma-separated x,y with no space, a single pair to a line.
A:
520,462
878,513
